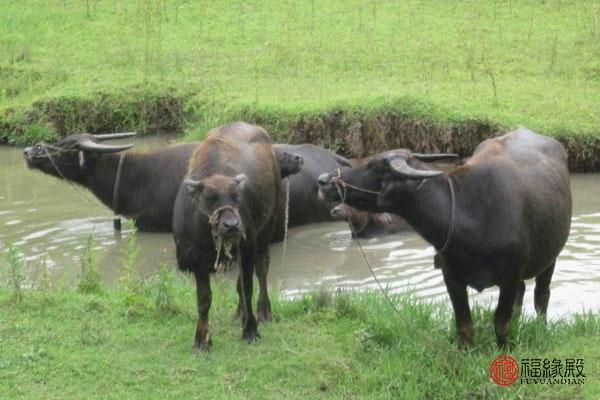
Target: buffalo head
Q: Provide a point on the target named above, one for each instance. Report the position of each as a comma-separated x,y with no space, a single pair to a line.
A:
361,186
289,163
70,156
218,198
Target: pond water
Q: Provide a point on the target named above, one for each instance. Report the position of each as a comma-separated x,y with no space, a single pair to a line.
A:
49,221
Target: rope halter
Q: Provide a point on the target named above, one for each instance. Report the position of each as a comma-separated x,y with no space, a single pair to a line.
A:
342,186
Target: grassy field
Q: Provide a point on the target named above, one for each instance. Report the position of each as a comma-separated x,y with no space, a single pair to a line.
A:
165,64
134,340
64,344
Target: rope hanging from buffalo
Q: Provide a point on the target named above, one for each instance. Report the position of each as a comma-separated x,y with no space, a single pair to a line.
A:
115,202
452,217
438,260
227,246
52,161
339,182
286,222
368,263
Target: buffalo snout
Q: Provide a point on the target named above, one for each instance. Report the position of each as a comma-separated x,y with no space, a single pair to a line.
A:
290,163
338,211
324,179
327,190
230,224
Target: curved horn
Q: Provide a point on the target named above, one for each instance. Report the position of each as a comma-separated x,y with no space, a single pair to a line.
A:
435,157
193,185
400,167
109,136
94,147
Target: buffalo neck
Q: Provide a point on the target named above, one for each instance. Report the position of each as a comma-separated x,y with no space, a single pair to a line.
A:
428,210
102,176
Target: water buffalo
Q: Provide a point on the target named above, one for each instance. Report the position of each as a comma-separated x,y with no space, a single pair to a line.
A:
501,217
226,208
305,205
83,159
366,224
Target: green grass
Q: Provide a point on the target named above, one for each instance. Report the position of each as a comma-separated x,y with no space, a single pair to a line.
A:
158,64
58,344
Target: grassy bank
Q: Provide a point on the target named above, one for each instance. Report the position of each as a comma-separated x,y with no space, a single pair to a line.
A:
134,341
64,344
169,65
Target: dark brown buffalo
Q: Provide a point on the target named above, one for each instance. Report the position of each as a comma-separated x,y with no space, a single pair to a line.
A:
512,216
148,183
305,205
83,159
365,224
227,207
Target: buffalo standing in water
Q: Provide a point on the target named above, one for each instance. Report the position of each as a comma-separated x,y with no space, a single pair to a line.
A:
226,208
148,180
501,218
83,159
367,225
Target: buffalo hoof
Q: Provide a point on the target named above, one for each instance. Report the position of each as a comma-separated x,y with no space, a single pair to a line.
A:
502,342
465,338
238,317
264,316
251,337
203,347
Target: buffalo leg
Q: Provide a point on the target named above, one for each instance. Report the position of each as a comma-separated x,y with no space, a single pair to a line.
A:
541,294
239,313
519,300
509,292
202,340
249,331
263,308
460,302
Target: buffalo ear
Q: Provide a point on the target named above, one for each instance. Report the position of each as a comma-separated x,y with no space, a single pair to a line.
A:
240,181
193,186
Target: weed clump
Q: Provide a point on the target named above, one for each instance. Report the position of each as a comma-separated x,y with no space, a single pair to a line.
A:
90,281
165,290
16,271
131,283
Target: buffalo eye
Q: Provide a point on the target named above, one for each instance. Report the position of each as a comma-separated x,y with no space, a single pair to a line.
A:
377,166
210,198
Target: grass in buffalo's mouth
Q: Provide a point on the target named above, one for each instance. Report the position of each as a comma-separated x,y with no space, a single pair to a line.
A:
117,344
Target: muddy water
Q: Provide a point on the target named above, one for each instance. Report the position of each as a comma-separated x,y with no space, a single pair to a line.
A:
48,221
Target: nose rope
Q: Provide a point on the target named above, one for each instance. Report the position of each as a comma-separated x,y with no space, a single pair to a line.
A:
338,181
385,294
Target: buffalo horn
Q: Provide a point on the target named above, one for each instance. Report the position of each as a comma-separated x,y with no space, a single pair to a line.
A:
400,167
94,147
435,157
192,182
109,136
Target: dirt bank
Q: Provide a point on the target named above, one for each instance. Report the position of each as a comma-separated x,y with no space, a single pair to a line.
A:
352,132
